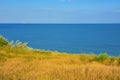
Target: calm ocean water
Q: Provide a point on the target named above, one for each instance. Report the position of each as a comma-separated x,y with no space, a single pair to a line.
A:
72,38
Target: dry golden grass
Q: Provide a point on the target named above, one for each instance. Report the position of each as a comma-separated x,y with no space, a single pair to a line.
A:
56,69
22,64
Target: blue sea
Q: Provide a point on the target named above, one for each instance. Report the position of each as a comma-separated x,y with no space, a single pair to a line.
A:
70,38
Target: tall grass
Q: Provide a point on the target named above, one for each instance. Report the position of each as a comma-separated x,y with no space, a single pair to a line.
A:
19,62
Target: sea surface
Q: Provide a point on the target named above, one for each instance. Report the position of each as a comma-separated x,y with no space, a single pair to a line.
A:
70,38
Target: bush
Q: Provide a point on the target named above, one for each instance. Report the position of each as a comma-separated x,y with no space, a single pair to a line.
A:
119,60
102,57
3,41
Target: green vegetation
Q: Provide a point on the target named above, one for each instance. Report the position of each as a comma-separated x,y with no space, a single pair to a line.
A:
3,41
20,62
102,57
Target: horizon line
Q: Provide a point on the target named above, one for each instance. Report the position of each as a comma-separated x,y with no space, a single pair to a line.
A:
59,23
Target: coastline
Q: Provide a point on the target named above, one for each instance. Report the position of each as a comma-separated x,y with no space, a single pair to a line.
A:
18,61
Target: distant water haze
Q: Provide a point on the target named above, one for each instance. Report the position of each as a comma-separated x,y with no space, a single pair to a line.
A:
71,38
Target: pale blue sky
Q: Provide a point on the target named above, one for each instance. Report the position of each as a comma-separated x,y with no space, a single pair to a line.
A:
59,11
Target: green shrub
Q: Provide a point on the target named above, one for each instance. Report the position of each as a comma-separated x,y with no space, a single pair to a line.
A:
119,61
3,41
102,57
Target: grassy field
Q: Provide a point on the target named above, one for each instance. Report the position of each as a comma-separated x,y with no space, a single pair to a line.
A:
19,62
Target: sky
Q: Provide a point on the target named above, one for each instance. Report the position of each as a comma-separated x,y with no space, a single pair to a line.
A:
59,11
